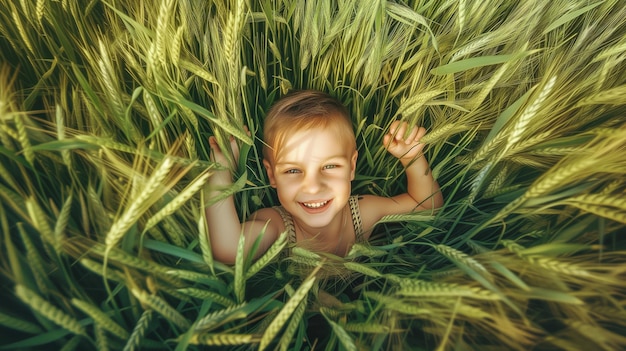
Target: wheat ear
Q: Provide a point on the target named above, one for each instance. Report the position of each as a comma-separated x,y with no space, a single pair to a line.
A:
46,309
19,324
223,339
287,310
139,330
101,318
162,307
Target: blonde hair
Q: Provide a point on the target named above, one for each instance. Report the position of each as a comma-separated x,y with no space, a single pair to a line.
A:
304,110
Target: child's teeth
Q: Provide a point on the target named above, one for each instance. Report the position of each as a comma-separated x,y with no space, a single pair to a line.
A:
315,204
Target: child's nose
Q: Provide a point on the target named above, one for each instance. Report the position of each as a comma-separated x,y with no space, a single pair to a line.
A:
312,183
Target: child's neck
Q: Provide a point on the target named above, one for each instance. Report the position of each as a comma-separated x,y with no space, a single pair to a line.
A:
330,239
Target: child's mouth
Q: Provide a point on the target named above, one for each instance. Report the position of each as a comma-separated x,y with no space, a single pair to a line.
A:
315,205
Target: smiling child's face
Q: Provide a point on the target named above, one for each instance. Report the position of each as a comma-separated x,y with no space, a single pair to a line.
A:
312,174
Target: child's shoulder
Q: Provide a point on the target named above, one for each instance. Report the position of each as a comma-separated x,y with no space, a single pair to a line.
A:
269,215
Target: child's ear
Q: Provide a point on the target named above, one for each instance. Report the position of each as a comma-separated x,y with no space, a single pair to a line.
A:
270,172
355,155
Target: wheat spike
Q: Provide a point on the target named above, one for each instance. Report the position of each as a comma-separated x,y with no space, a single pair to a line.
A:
462,10
161,31
358,250
196,185
239,284
409,309
40,222
200,72
34,261
101,339
19,324
472,46
412,104
550,151
101,318
62,221
443,132
177,42
108,78
487,149
497,181
467,310
196,277
223,339
277,323
605,200
604,338
462,258
139,330
173,231
106,143
20,28
40,8
155,116
276,248
190,146
557,177
545,262
513,246
292,327
430,289
363,269
156,234
366,327
124,222
527,115
46,309
220,316
191,117
557,266
22,137
304,261
162,307
613,96
97,268
346,340
408,217
207,296
203,237
126,259
60,124
478,98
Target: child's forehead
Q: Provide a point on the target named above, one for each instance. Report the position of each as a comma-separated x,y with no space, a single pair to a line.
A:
315,137
314,143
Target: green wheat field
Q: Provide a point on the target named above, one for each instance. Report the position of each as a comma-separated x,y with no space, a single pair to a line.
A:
106,107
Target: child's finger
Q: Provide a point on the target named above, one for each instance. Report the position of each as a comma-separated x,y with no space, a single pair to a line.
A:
400,131
412,137
421,131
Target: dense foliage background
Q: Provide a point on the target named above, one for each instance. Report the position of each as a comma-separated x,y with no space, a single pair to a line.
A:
105,111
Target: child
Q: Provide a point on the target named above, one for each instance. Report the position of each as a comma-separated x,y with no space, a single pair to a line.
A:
310,157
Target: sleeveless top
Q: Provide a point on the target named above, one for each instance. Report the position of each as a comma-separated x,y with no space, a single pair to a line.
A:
356,221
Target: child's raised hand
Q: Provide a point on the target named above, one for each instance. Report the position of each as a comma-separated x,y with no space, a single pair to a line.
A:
401,145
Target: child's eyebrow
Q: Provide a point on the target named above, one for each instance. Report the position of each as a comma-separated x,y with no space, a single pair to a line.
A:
295,163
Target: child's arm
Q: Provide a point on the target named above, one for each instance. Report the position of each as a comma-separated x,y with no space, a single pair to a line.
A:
422,189
223,222
421,186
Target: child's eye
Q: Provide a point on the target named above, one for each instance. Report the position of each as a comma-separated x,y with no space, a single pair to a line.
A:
292,171
330,166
